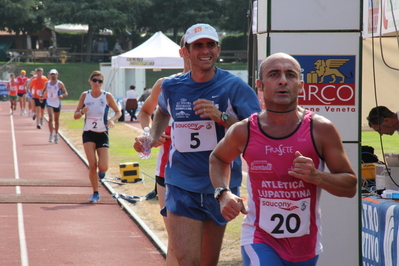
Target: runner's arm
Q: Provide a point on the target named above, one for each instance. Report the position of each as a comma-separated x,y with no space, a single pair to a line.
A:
112,103
80,109
63,89
229,148
150,104
160,123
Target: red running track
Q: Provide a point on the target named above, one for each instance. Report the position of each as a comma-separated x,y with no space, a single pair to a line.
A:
61,228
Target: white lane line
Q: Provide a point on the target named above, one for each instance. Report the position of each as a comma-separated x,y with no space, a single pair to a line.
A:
21,226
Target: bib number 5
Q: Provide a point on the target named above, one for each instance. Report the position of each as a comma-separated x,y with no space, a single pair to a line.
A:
196,140
194,136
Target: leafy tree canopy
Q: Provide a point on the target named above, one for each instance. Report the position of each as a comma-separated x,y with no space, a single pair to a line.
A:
235,15
21,16
178,15
97,14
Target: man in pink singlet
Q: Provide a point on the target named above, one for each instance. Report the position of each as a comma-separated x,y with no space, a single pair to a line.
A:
285,148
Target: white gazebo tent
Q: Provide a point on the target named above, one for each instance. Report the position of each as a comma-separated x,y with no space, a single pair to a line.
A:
158,52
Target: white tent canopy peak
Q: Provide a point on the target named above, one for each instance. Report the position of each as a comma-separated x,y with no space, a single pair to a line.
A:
157,52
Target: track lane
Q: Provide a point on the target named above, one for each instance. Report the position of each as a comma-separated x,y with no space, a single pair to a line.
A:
61,234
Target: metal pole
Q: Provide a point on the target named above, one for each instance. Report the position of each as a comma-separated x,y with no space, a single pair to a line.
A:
251,51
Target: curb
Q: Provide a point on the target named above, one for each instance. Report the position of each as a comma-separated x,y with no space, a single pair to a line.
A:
157,242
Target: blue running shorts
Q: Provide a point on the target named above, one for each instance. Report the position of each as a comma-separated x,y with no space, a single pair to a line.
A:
264,255
197,206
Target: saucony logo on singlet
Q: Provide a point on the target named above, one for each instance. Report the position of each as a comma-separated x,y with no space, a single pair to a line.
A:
193,126
282,205
215,96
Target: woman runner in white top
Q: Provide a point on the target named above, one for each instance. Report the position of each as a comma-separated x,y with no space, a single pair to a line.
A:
95,104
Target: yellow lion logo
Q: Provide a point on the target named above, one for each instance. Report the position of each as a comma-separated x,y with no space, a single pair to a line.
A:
326,68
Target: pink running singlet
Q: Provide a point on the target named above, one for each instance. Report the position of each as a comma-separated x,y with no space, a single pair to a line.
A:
284,211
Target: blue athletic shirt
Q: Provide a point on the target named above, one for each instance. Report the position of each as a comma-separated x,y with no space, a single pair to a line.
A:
193,137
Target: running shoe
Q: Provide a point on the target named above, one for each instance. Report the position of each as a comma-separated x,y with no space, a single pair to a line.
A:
151,195
34,117
38,126
56,138
101,175
51,138
95,197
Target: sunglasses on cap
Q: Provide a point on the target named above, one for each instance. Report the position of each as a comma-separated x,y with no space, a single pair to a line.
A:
97,80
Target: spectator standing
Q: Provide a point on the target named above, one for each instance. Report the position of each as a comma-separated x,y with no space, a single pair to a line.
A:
285,148
55,91
37,84
131,102
94,104
145,94
105,45
95,45
202,104
21,91
117,47
100,48
12,92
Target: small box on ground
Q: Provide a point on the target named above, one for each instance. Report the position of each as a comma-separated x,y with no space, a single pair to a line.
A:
130,172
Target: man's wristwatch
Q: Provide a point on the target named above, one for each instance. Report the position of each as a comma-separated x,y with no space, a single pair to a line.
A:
219,191
223,118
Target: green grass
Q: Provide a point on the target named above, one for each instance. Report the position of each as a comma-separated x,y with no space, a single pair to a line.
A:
390,144
75,76
121,143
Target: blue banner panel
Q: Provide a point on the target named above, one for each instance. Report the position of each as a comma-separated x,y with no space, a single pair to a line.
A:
380,221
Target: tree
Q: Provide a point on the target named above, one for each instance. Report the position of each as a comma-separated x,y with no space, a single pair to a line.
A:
21,16
234,15
97,14
178,15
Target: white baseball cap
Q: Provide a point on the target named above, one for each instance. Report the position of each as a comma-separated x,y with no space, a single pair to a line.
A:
199,31
53,71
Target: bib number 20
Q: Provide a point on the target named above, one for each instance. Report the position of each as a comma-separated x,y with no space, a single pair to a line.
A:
291,223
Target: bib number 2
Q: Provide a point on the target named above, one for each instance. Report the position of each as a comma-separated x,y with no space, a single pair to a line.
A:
95,124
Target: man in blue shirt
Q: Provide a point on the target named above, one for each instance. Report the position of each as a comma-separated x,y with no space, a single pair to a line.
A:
202,104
